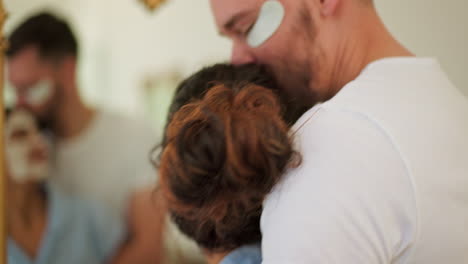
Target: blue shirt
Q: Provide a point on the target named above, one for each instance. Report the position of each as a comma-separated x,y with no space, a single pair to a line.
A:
77,233
250,254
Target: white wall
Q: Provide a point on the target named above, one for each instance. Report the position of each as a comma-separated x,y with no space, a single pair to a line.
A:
436,28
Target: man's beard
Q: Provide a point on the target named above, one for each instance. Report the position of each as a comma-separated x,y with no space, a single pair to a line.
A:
294,74
47,118
293,81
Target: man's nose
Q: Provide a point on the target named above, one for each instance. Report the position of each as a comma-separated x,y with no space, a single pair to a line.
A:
241,54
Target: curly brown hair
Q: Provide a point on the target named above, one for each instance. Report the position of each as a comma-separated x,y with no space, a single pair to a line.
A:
223,154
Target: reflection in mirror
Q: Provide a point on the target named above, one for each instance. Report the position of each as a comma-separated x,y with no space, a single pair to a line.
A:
87,88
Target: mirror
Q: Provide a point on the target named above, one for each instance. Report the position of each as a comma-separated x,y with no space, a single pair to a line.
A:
82,77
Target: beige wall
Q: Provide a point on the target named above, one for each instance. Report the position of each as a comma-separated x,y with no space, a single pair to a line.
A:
432,28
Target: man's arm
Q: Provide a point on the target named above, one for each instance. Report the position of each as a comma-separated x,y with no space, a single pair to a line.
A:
146,218
351,201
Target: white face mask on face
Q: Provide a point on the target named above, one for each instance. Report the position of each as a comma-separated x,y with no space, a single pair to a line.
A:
22,138
269,20
38,94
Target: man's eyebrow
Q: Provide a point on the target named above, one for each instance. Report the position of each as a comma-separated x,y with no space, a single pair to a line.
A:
235,19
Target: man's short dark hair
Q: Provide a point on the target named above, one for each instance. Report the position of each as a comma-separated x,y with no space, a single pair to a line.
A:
51,35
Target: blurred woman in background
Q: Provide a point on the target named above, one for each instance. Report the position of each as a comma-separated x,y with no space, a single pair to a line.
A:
226,144
44,225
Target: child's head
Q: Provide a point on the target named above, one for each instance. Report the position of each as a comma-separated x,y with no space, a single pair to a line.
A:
223,153
198,84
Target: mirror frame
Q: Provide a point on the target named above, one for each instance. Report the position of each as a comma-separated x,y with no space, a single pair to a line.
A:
153,4
3,230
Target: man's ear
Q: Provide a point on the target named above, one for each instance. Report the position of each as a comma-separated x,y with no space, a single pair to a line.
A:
67,68
329,7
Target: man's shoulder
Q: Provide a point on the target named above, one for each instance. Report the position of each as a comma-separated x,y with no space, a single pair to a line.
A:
339,146
333,122
125,125
123,120
347,161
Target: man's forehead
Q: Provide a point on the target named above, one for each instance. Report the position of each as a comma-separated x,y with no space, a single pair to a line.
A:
225,10
22,67
29,53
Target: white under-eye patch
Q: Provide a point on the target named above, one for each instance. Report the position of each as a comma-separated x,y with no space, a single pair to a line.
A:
39,93
269,20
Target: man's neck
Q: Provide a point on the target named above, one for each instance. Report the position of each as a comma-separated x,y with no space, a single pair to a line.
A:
381,44
370,42
72,117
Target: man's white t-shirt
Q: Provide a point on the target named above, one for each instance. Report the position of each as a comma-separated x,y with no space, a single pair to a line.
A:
384,174
108,161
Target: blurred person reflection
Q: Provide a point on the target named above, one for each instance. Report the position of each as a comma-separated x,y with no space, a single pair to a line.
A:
44,224
97,154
